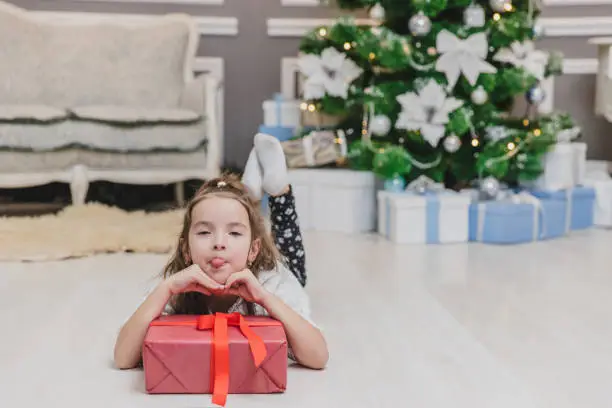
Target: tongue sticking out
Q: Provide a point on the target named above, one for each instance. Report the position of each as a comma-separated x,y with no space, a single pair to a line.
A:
217,262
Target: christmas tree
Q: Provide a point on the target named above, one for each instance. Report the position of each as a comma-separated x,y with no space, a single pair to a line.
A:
428,87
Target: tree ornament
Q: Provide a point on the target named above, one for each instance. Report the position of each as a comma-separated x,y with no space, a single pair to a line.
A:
395,184
452,143
330,73
467,57
536,95
524,55
380,125
427,111
474,16
479,96
419,24
500,5
377,13
489,188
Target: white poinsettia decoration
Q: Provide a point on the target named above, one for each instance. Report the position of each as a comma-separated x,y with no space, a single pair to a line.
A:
467,57
330,73
524,55
427,111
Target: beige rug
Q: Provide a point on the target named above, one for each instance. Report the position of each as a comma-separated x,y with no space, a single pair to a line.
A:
79,231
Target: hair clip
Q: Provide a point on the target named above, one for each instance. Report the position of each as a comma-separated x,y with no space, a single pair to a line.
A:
221,184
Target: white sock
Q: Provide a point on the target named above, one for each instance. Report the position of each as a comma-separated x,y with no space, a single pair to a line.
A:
272,160
252,177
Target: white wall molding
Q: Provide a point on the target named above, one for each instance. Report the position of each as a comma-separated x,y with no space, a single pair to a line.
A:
553,26
181,2
225,26
215,66
565,3
289,83
571,66
301,3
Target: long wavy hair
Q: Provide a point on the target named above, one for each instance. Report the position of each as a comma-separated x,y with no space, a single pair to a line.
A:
226,186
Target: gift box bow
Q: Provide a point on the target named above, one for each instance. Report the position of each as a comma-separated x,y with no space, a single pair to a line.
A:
219,324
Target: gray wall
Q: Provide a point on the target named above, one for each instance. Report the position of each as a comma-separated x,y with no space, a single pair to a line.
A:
252,62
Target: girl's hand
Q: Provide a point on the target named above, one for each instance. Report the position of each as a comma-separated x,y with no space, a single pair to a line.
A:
245,285
193,279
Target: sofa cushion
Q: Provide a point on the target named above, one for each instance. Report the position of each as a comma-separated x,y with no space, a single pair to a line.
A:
29,161
134,115
31,113
143,63
102,136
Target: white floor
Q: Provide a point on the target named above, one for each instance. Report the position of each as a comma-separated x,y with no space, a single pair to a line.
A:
440,326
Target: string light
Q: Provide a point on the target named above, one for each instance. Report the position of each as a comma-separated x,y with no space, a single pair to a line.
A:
496,16
511,146
537,132
475,142
303,106
372,56
525,122
508,6
432,51
323,32
347,46
311,108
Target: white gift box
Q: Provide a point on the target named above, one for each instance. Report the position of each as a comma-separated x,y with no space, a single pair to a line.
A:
580,162
558,171
602,183
282,112
409,218
337,200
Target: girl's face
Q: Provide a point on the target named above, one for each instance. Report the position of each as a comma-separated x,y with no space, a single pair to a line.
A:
220,237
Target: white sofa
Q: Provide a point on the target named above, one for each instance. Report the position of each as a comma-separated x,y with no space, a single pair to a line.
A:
109,100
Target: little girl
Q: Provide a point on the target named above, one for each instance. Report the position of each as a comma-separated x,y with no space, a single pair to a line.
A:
225,261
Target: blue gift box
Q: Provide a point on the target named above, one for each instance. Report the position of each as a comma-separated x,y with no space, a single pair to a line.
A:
579,205
282,133
510,222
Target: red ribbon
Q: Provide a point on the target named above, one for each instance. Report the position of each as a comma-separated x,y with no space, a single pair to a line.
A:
219,323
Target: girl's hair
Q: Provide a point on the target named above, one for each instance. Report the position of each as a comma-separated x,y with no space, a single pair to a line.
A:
227,186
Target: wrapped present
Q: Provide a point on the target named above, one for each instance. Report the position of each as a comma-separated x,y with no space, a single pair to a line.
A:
558,172
601,182
317,148
281,112
516,218
580,162
279,132
580,205
319,120
217,354
423,215
338,200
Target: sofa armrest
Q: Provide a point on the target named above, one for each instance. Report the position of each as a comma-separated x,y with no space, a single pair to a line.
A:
203,94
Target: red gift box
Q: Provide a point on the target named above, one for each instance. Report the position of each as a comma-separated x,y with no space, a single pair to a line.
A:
215,354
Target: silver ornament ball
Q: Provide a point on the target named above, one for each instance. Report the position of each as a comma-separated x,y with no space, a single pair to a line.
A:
499,5
380,125
474,16
479,96
489,187
536,95
419,24
452,143
377,13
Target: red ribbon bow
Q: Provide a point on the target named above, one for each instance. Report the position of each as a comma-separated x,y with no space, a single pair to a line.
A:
219,323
